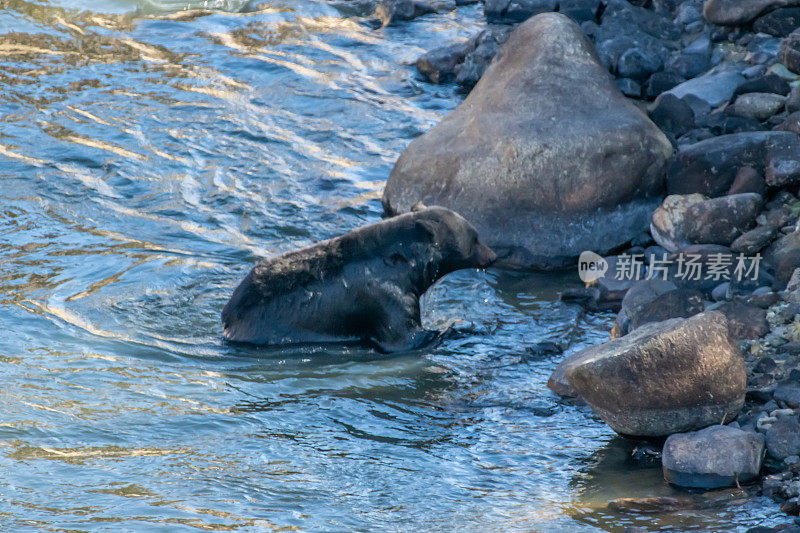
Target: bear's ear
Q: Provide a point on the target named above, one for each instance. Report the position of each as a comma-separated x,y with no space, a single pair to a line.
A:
426,227
419,206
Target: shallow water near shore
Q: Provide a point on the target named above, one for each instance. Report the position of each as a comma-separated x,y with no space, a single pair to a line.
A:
149,154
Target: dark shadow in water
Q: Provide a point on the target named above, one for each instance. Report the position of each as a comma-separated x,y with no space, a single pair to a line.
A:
622,485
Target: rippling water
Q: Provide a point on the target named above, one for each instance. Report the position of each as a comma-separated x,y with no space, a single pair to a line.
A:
149,154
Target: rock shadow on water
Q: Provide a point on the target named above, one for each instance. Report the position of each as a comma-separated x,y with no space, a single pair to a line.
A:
622,485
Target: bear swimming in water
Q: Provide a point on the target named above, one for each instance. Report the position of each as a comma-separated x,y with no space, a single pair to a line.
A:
363,286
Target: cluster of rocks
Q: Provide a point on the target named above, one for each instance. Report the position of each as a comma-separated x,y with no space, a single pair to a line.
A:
667,129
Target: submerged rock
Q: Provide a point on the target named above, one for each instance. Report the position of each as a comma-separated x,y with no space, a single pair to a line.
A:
718,456
439,65
666,377
545,156
391,11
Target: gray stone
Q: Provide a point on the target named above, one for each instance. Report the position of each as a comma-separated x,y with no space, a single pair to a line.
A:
790,123
714,457
392,11
710,166
655,300
759,106
748,180
779,23
439,65
744,321
629,87
661,82
482,49
672,115
784,256
666,377
515,11
739,12
638,64
789,55
721,292
793,102
763,84
783,438
667,223
721,220
693,60
788,394
783,161
545,157
693,219
755,240
715,88
558,379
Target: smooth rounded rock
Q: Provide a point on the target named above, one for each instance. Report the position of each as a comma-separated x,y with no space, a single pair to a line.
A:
753,241
667,224
693,219
759,106
655,300
783,437
721,220
545,157
672,115
780,22
713,88
665,377
714,457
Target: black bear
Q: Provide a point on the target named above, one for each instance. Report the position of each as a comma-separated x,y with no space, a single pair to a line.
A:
363,286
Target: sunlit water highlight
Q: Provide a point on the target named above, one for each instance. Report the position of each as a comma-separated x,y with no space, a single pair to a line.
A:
149,155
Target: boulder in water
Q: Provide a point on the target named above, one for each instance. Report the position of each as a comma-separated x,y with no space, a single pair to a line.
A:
715,457
545,157
663,378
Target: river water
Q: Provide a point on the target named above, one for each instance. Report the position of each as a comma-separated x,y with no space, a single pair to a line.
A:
149,155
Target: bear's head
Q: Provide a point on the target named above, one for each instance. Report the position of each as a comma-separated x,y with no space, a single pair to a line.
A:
454,238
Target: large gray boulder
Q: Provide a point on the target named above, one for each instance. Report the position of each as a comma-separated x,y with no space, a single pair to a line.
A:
718,456
663,378
545,157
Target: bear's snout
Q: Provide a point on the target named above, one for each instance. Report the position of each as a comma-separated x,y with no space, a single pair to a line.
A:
484,256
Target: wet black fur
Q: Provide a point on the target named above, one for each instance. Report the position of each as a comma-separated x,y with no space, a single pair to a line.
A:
363,286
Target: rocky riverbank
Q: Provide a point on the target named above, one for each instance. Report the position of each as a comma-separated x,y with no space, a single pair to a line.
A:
687,185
